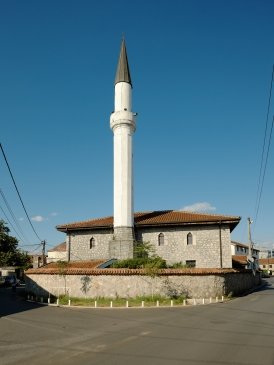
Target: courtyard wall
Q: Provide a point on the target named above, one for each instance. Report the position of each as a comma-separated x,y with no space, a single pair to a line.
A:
125,283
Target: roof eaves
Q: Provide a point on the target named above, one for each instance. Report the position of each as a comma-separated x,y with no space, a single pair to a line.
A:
82,228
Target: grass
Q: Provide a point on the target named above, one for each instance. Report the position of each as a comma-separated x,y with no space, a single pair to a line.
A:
121,302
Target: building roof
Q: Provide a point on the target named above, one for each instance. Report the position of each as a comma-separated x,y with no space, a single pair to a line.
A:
235,243
62,247
93,268
266,261
122,72
239,259
156,219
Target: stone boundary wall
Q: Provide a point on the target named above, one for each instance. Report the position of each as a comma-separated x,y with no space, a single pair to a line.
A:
124,285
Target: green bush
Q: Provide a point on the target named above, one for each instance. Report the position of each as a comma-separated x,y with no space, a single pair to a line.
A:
141,263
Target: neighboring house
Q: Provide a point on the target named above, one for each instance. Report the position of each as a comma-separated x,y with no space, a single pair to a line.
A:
240,255
37,260
267,264
242,249
58,253
266,252
196,239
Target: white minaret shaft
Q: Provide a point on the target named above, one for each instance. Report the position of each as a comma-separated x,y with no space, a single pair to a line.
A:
122,123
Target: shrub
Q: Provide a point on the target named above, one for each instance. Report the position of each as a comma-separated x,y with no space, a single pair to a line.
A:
141,263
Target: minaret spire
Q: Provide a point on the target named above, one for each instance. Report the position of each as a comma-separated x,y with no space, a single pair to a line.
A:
122,123
122,73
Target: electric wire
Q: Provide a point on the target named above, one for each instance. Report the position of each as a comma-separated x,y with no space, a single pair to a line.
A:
36,249
264,159
265,134
13,217
7,218
18,192
263,176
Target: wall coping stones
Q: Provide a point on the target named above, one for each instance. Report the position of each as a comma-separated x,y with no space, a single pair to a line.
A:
128,272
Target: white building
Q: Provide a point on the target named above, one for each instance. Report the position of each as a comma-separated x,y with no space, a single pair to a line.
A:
58,253
267,264
241,255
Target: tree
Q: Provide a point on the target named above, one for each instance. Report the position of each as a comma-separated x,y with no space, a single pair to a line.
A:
62,270
10,255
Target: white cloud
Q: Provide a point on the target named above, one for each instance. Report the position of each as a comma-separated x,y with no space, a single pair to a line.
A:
54,214
38,218
199,207
21,219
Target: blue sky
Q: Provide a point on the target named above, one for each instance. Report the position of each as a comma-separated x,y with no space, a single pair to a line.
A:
201,74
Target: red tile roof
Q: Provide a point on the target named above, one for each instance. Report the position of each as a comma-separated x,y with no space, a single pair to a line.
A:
239,259
59,248
54,267
266,261
83,268
156,218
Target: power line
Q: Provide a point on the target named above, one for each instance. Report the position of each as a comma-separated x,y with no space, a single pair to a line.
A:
36,249
18,193
11,224
262,184
13,216
263,163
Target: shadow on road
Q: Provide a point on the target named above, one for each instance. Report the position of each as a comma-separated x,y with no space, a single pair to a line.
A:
267,284
14,302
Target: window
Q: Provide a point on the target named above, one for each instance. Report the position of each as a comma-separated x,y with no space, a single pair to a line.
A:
270,266
264,266
189,239
161,239
191,263
91,242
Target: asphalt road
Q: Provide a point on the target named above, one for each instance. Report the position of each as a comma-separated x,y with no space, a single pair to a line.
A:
237,332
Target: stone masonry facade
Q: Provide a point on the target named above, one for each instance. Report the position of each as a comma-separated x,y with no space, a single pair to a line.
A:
89,245
209,248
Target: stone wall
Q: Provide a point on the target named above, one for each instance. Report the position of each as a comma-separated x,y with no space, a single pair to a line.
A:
126,286
205,249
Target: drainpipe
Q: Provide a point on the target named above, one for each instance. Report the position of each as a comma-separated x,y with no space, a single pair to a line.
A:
68,235
220,243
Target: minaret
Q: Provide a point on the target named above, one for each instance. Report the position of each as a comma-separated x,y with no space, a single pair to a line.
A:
122,123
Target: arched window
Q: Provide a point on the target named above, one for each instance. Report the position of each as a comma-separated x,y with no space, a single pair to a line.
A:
161,239
91,242
189,239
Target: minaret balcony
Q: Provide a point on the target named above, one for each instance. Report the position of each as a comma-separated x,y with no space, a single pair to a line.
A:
123,117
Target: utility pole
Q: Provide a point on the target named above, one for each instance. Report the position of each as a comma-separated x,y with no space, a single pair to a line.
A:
250,256
43,243
249,222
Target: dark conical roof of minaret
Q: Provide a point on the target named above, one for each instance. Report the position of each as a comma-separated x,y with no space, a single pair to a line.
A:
122,73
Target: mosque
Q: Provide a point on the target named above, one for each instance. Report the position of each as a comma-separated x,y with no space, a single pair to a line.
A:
196,239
